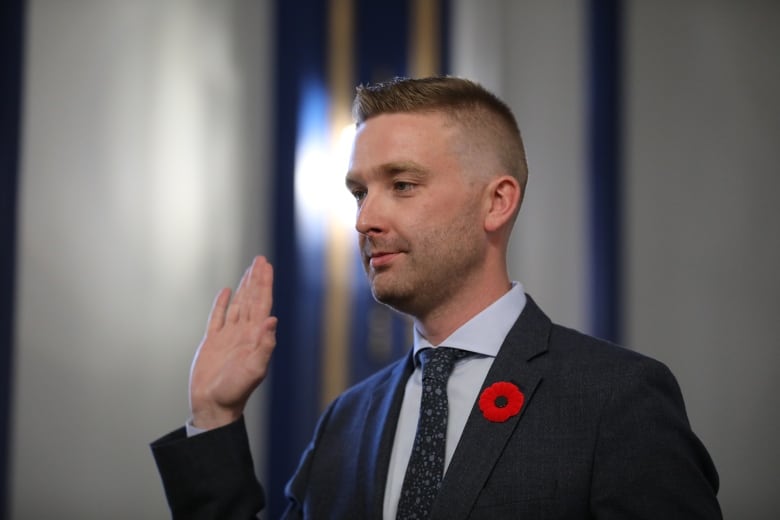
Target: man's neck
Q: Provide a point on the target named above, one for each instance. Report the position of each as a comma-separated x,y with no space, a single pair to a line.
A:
448,317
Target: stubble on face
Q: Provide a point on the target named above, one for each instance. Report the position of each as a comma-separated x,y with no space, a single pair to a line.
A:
439,255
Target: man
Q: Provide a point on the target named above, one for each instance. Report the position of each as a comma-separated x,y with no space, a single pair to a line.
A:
538,421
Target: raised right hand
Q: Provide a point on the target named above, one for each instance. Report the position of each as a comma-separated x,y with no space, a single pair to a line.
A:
233,357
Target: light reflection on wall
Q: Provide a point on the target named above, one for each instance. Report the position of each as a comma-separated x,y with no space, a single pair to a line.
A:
325,213
321,161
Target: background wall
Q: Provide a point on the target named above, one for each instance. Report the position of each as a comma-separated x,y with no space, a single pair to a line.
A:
143,192
533,55
702,286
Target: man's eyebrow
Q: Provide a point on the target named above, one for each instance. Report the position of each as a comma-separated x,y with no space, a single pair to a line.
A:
395,168
350,181
390,169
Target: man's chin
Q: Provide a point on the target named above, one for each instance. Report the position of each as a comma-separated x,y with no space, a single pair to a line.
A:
391,297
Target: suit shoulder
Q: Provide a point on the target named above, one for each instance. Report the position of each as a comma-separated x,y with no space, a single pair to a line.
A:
563,350
581,351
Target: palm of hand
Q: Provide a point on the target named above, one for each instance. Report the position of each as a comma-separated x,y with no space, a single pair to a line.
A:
233,357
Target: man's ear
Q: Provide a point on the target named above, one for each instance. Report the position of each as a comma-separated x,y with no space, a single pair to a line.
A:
503,194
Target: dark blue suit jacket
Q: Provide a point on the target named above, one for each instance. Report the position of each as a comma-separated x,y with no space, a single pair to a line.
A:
602,434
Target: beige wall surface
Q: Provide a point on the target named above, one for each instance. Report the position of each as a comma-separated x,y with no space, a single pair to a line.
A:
532,55
142,194
702,284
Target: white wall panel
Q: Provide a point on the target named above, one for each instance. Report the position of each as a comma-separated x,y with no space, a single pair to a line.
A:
532,54
703,126
143,191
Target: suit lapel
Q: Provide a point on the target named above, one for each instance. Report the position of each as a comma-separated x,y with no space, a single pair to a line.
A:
482,441
377,441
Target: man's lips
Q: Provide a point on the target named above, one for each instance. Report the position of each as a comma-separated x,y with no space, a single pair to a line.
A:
382,258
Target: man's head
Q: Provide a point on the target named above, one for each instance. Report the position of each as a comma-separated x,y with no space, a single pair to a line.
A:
486,123
437,170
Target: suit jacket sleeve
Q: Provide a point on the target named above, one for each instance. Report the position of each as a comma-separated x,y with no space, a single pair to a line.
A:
648,463
210,475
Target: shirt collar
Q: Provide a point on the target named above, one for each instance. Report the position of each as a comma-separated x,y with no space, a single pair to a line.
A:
484,333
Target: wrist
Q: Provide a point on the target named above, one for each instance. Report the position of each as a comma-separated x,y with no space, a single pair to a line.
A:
212,419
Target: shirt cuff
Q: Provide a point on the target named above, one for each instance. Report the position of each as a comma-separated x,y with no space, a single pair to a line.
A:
192,431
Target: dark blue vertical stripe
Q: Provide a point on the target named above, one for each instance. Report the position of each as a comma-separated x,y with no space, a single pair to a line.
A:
11,52
381,40
444,38
301,44
604,122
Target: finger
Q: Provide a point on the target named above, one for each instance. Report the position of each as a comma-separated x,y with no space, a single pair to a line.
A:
267,288
218,309
265,346
270,327
261,295
233,313
241,290
266,334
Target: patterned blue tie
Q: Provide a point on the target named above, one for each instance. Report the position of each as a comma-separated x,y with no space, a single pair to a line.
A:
426,464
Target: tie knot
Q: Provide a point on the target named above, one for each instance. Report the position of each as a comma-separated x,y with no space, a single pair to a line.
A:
437,362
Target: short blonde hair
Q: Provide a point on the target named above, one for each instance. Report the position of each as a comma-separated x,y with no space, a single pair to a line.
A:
466,102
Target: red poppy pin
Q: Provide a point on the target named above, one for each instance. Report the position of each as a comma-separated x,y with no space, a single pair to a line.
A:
500,401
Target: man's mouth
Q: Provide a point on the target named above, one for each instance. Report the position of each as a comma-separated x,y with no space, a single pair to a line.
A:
381,258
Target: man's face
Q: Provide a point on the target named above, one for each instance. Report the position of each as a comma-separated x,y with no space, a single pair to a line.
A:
419,214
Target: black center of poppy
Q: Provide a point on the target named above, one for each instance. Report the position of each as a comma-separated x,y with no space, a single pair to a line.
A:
501,401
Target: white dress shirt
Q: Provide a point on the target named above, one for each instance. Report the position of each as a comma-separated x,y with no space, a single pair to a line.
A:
483,335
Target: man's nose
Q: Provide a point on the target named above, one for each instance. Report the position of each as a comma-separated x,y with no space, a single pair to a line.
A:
370,216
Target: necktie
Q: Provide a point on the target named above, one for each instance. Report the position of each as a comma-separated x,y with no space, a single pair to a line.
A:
426,464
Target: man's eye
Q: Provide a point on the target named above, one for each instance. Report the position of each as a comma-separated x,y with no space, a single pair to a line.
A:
403,186
359,194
